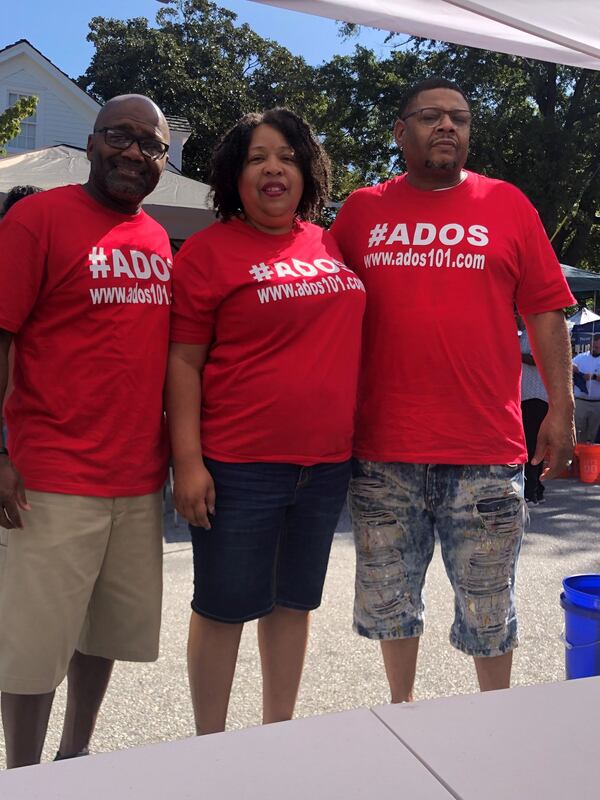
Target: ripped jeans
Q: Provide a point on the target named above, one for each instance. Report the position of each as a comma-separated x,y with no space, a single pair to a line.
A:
478,512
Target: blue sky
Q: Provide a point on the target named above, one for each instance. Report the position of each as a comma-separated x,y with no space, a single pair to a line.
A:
58,28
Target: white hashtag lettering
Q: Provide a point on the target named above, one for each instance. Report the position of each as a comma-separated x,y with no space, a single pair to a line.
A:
377,234
98,262
261,272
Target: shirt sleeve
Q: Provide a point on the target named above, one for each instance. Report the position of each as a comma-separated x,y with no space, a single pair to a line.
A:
22,270
331,247
342,229
542,286
194,297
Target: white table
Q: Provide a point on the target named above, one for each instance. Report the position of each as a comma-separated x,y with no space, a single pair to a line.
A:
518,744
350,756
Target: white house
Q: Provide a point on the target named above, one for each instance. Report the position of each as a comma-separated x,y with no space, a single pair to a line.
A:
65,114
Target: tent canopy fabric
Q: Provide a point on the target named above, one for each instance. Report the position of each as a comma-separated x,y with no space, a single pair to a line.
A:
180,204
581,281
549,30
582,317
583,334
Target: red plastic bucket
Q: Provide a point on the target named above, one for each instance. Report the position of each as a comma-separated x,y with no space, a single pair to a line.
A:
589,462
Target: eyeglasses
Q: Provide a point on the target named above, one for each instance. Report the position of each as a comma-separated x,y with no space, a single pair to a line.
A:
121,140
430,117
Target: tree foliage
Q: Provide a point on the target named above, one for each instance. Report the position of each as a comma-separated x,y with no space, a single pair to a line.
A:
535,124
356,121
11,119
196,63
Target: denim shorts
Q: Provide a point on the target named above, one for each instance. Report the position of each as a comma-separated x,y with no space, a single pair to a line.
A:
270,538
478,512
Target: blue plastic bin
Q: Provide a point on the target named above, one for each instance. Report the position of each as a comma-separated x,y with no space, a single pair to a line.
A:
582,633
583,590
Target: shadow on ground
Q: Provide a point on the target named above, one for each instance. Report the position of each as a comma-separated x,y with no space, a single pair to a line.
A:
569,516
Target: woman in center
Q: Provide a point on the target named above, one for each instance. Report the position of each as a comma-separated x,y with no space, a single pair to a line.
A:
260,399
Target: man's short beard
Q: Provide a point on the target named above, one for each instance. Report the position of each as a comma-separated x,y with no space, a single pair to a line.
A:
450,165
122,188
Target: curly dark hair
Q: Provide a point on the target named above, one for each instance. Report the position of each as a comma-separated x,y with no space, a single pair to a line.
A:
17,193
230,153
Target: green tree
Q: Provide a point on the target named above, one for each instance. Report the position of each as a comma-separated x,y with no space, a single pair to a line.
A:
199,64
361,100
10,120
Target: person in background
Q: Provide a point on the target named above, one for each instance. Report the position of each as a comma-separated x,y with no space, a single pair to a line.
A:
534,407
260,401
587,401
16,193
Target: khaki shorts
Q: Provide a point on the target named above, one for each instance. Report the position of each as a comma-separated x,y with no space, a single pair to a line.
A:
85,573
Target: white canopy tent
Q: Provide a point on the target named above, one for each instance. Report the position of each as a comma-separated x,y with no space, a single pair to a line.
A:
582,317
551,30
180,204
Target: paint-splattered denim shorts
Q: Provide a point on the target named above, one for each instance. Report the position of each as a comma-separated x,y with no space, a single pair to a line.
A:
478,512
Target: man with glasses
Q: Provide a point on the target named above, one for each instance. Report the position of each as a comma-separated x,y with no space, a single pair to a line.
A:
587,394
84,294
444,254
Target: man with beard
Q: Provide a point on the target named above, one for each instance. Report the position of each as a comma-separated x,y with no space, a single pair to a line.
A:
84,295
444,255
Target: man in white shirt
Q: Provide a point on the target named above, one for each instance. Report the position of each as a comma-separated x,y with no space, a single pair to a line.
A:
534,407
587,405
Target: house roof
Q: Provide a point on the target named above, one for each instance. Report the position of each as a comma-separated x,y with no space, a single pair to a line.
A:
39,52
24,46
178,124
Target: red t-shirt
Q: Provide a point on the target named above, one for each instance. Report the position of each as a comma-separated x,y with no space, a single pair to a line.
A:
87,293
283,317
441,361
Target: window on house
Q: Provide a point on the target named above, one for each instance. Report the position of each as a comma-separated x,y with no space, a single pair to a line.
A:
26,138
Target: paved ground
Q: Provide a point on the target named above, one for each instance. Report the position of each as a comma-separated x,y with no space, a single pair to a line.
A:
149,703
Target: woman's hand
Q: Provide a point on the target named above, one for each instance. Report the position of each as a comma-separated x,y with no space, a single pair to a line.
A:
194,493
194,490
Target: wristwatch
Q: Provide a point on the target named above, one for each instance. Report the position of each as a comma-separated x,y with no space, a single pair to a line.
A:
3,451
